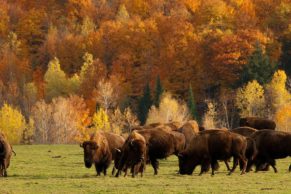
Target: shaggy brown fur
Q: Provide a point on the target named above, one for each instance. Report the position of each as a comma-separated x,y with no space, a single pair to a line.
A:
115,143
271,145
189,129
132,155
97,152
208,147
257,123
5,155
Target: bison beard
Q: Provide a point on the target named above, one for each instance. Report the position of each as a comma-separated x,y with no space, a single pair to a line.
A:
208,147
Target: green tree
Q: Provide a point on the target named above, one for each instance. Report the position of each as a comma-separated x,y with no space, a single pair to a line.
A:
158,93
55,79
192,105
144,105
57,83
258,68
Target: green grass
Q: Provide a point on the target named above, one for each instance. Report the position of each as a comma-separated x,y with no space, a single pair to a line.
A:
34,170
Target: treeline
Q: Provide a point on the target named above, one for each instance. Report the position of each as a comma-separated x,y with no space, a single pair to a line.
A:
109,55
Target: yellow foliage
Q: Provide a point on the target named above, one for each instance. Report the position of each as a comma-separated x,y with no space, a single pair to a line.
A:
84,131
101,120
250,99
277,91
169,110
12,123
283,118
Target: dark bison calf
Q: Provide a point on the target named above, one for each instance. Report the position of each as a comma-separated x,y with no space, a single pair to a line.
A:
251,150
132,155
97,152
5,155
271,145
207,147
115,143
257,123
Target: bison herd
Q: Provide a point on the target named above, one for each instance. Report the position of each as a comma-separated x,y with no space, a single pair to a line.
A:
255,143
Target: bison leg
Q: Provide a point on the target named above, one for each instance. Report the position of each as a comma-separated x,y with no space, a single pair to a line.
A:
125,171
105,171
227,165
235,163
113,171
272,162
98,169
133,173
155,165
118,173
213,167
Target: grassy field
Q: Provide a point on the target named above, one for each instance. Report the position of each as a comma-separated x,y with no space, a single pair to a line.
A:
60,169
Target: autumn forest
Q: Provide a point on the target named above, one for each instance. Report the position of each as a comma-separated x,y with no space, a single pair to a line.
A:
66,65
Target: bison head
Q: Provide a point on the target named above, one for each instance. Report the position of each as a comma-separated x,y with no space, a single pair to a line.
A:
186,164
138,147
90,148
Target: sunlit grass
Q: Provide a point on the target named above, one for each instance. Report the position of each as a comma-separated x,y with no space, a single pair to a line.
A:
60,169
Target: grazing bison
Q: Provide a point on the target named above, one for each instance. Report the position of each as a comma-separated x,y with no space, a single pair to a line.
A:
189,129
115,143
97,152
5,155
257,123
271,145
132,155
209,146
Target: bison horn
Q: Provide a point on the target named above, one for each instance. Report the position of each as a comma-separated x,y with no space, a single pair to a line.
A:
180,155
131,143
118,150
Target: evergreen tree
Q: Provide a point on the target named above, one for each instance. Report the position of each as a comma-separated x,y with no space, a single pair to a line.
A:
144,105
192,105
258,68
286,55
158,93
